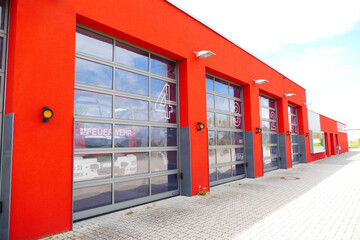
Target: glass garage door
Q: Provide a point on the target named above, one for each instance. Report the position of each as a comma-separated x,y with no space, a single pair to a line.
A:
225,130
294,129
125,126
269,133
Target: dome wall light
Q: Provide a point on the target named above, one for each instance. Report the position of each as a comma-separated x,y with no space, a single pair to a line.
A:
305,103
200,126
47,113
260,81
289,94
204,54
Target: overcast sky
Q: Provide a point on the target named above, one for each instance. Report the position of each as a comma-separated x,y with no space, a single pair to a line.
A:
315,43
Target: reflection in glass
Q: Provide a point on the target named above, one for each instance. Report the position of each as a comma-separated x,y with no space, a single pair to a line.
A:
272,114
317,142
235,91
238,169
131,56
131,109
1,50
294,129
209,100
212,174
131,82
92,104
210,119
2,12
221,86
91,73
221,103
268,138
270,151
94,44
295,158
222,120
295,149
209,83
224,172
265,113
162,66
264,101
163,161
92,135
131,163
223,155
270,163
131,136
294,138
163,90
272,103
238,138
90,167
237,154
223,138
265,125
125,191
212,159
164,184
91,197
211,138
273,127
163,137
163,113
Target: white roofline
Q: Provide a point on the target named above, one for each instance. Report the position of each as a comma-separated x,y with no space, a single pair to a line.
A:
227,38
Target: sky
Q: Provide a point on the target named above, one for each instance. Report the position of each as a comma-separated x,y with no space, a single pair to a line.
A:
315,43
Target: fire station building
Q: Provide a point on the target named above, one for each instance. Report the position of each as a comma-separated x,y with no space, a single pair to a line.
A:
111,104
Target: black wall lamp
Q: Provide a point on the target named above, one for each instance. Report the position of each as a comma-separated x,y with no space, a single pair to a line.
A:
288,133
200,126
47,113
306,134
258,130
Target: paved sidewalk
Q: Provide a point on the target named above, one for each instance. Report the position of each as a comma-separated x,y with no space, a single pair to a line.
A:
324,203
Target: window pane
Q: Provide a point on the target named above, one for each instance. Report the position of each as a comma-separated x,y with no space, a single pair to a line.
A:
293,119
209,83
210,119
131,56
163,113
270,151
163,90
223,155
221,86
2,12
209,100
131,82
237,154
163,161
94,44
125,191
92,135
294,139
162,66
235,91
93,104
272,103
1,50
91,73
131,163
273,162
212,174
222,120
221,103
164,184
238,169
89,167
265,125
92,197
236,122
295,158
131,109
235,106
163,137
212,159
238,138
294,129
268,138
131,136
223,138
211,138
224,172
264,101
295,149
265,113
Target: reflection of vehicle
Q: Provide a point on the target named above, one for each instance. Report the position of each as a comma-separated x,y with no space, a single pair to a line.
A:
126,165
85,169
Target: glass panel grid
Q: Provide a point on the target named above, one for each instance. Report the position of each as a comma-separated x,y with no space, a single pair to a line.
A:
119,108
225,130
294,129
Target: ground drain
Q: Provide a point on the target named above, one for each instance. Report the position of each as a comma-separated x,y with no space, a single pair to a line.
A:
290,178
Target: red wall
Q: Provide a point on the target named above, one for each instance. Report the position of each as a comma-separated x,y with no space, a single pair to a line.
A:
41,73
329,127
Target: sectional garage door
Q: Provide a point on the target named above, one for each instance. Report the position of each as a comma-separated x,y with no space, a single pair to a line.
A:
225,130
125,125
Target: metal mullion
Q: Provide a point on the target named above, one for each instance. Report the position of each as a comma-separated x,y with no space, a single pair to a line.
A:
224,95
225,129
271,157
226,113
270,145
224,164
93,58
224,146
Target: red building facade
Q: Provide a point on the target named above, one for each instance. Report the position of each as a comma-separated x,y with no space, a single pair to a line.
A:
129,97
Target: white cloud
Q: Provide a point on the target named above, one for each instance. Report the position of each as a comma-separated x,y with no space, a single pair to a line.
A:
261,25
